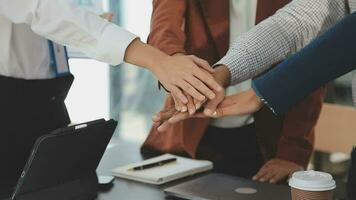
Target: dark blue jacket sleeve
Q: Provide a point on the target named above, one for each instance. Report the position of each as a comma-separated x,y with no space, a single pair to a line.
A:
352,176
331,55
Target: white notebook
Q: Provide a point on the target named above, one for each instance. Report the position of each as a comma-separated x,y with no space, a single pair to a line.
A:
162,174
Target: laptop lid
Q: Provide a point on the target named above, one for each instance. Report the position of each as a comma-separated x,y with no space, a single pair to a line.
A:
66,155
224,187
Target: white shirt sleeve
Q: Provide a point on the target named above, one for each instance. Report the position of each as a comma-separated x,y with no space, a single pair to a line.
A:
70,25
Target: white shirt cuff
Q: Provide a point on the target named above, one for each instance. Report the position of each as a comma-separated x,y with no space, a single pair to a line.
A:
113,44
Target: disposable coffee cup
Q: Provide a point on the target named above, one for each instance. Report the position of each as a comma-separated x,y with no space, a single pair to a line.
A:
312,185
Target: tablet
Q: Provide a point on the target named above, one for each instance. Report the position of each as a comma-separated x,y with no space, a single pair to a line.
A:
217,186
66,156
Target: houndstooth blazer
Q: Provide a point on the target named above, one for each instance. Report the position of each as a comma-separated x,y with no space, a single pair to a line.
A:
283,34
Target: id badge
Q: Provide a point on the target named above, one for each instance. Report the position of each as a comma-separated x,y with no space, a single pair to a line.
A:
59,59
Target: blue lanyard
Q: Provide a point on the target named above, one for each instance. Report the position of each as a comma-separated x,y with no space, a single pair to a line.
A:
59,59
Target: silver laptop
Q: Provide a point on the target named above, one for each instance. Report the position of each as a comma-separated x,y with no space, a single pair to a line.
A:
224,187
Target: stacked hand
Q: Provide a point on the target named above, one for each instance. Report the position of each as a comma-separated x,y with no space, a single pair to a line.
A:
193,104
180,112
192,84
242,103
182,76
189,86
188,78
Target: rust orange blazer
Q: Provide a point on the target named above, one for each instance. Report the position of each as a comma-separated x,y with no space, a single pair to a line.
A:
201,27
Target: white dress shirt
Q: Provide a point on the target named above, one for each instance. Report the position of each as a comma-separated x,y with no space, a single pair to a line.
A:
25,24
242,19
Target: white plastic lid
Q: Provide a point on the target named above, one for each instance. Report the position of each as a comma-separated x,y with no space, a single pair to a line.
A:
312,181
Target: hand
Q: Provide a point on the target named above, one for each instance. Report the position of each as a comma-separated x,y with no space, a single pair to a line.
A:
222,76
192,105
166,118
239,104
160,120
243,103
164,114
276,170
178,74
107,15
184,74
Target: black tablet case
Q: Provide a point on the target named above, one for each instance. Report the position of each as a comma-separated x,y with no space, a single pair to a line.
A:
63,164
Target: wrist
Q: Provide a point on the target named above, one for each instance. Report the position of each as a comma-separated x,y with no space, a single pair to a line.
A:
144,55
157,60
255,99
222,75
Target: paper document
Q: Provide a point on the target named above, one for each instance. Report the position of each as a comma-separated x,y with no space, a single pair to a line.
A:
182,167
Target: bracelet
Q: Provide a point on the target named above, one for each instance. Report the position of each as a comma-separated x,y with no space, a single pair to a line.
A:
162,86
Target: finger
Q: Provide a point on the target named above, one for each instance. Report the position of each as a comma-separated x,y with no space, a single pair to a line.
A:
224,108
163,127
267,176
178,94
190,105
278,177
260,173
164,115
156,124
179,105
202,63
200,87
221,112
199,115
237,108
197,104
184,108
178,117
212,105
229,100
208,79
269,164
176,103
191,91
156,118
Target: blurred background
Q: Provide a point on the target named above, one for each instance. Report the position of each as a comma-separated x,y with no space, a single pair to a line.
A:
130,95
125,93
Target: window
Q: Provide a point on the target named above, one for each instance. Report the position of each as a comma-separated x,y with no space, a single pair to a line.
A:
340,90
89,95
134,94
126,93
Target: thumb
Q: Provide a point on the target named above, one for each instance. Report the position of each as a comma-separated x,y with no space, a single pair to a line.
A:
231,107
212,105
220,108
223,111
